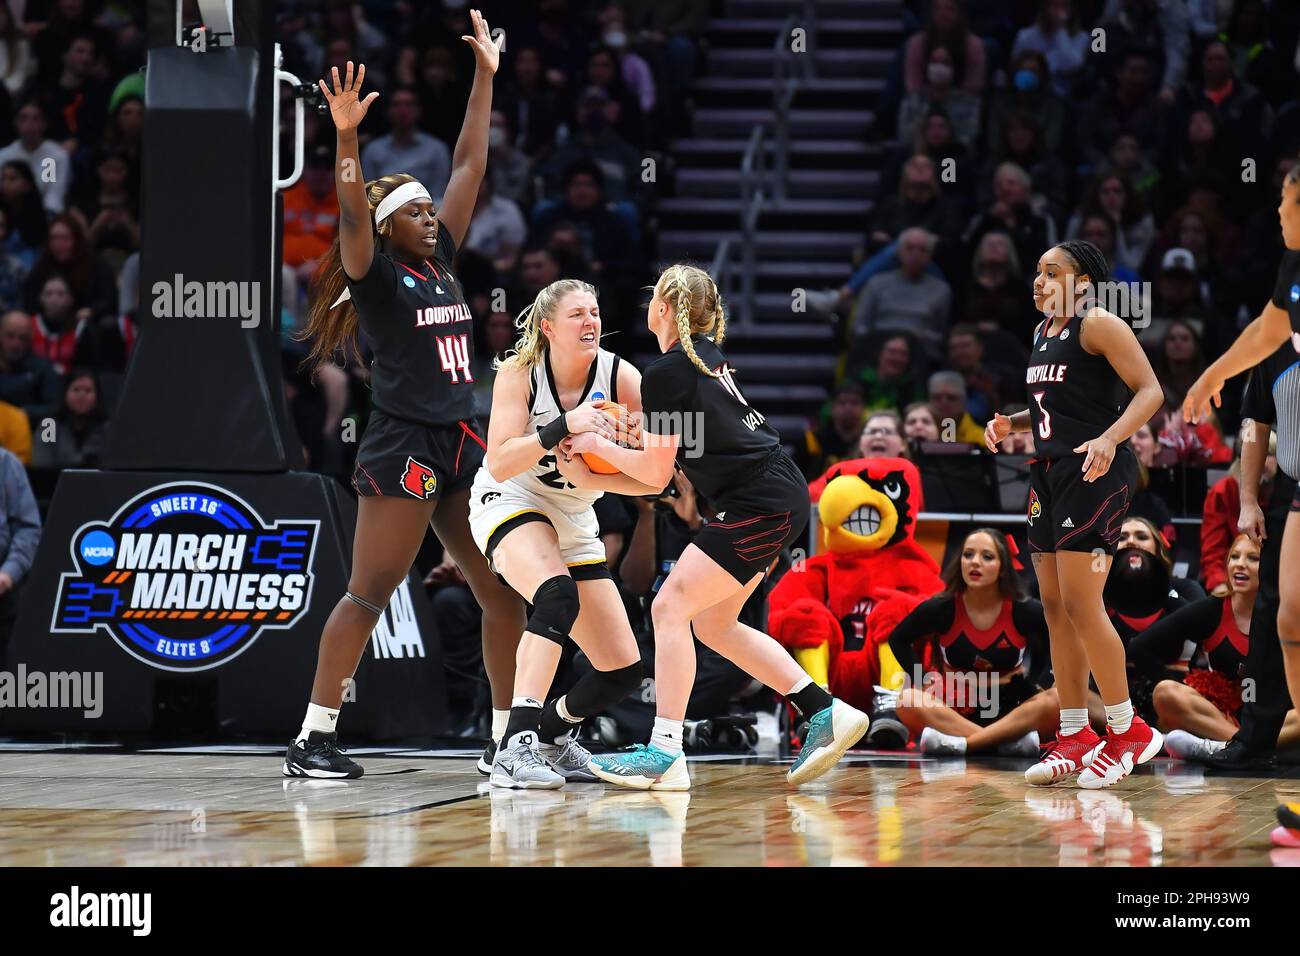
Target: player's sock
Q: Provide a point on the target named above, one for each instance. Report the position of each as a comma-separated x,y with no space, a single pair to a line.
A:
667,735
1073,720
323,720
500,718
808,696
557,723
525,712
1119,717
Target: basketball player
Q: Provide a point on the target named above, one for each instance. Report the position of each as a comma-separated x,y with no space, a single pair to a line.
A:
695,416
1080,487
421,449
532,517
1279,321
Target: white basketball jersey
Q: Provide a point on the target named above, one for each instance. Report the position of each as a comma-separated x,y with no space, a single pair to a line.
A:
544,408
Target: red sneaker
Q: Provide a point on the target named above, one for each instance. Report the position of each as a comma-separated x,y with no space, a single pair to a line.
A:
1068,755
1121,754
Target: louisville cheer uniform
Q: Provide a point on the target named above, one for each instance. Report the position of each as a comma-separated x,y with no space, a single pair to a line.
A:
758,497
1014,643
422,439
1286,296
1074,397
1206,633
541,493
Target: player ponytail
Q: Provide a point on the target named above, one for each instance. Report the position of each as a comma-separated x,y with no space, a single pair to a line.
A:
329,328
531,344
697,308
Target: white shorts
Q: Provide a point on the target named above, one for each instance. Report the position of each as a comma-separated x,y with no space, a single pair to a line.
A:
497,508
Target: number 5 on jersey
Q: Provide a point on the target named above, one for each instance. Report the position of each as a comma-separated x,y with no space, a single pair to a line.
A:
1045,425
453,351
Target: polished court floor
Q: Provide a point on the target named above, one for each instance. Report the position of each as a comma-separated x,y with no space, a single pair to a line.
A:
422,808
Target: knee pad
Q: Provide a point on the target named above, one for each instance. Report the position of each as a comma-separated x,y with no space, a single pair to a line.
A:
555,608
599,690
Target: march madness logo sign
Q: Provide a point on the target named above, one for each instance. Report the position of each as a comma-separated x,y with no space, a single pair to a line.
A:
186,576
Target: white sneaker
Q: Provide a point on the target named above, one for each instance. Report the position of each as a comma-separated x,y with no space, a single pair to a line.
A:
569,760
1188,746
940,744
1026,746
518,765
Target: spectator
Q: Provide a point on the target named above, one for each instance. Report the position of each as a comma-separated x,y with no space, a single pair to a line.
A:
1222,508
596,140
63,330
890,382
837,438
1057,35
1254,57
509,168
939,90
15,432
77,104
1022,143
1125,157
920,422
948,399
882,436
125,127
607,241
26,380
498,339
1111,195
67,253
441,94
603,71
16,64
1207,155
497,230
13,270
530,102
68,19
906,299
1029,94
406,148
1178,298
80,426
1099,229
635,71
998,297
1126,105
1179,362
985,384
1245,115
107,209
20,533
670,32
1012,212
21,202
38,152
539,266
1154,25
1146,503
1196,445
945,27
920,202
311,214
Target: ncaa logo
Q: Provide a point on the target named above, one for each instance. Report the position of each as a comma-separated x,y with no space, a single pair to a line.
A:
98,547
1295,293
408,282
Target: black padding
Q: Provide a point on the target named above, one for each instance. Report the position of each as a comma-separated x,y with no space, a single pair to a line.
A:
555,608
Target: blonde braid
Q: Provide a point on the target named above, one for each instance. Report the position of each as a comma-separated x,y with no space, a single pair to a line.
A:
689,308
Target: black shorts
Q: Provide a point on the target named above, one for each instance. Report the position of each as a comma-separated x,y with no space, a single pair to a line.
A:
1067,513
1018,690
401,458
768,513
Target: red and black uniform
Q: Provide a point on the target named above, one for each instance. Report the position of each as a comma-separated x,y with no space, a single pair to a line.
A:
731,455
1011,649
422,439
1205,633
1074,396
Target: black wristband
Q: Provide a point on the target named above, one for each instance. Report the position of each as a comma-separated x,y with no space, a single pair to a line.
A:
553,432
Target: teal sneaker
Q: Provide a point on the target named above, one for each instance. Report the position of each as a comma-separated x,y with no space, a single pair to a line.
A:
644,768
831,731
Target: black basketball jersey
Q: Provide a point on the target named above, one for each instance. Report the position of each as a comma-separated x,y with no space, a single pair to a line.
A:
1286,292
421,333
1074,395
723,438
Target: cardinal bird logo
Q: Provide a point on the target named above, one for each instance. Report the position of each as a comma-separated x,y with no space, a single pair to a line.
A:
419,480
1035,508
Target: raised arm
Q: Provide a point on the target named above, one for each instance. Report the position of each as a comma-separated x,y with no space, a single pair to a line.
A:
356,231
469,161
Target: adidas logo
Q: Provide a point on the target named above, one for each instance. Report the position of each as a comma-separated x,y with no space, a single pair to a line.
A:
1043,347
439,289
1067,523
721,515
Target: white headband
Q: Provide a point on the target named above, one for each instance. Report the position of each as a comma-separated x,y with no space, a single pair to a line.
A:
399,197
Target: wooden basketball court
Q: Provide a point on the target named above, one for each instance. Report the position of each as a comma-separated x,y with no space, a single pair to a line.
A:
221,807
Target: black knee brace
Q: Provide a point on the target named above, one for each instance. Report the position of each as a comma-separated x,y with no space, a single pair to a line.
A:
599,690
555,608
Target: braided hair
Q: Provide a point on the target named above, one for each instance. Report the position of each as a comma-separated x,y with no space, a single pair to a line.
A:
1088,260
697,308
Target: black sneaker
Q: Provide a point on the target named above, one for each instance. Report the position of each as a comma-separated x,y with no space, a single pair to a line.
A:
886,732
485,761
1235,756
320,756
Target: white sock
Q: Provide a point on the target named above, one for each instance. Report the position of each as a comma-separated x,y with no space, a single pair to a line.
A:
323,720
1119,717
1073,720
800,685
957,743
667,735
499,720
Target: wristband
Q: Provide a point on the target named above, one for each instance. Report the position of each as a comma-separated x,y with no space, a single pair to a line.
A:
552,433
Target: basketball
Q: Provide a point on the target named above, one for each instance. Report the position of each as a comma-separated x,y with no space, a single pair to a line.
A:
598,465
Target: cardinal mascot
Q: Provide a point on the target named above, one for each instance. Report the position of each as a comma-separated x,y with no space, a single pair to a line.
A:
835,610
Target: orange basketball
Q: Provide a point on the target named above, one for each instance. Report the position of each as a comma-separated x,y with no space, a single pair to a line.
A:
598,465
